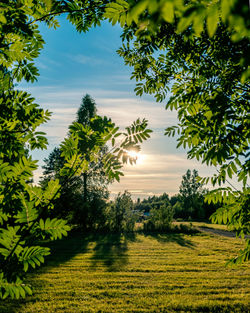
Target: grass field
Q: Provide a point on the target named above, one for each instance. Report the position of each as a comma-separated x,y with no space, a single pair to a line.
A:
202,224
138,273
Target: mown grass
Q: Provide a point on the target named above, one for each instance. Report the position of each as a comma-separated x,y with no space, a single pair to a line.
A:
138,273
202,224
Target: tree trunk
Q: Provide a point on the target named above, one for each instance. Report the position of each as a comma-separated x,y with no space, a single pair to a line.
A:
85,187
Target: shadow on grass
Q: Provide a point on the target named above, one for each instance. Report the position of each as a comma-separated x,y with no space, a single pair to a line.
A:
109,250
65,249
167,238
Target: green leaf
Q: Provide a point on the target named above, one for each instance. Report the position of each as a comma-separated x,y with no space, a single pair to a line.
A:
28,212
53,228
212,19
168,11
33,256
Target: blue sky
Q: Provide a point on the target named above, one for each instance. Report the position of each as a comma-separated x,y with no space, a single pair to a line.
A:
73,64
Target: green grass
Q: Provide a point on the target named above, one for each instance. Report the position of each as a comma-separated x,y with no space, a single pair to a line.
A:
140,273
202,224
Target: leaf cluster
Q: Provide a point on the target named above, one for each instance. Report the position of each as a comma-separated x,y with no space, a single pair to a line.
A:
199,53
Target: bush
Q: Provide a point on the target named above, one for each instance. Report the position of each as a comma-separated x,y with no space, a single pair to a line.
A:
160,219
120,215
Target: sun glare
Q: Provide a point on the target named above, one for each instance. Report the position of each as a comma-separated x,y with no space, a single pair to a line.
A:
137,155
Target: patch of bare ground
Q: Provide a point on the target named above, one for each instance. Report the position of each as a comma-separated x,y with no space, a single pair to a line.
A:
220,232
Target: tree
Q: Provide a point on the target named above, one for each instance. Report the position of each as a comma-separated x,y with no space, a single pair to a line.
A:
80,194
146,205
120,214
192,195
25,207
200,53
23,220
160,218
87,110
147,16
71,187
95,176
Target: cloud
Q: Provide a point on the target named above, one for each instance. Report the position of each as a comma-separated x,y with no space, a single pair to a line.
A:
157,174
123,108
87,60
163,166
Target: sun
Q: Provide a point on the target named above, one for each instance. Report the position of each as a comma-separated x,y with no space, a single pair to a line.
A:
133,154
136,155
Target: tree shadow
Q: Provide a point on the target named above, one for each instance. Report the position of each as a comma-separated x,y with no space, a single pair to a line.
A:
171,237
111,251
61,251
108,250
66,248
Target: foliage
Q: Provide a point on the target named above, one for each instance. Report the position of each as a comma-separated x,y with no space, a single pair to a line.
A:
192,196
199,53
160,219
188,203
121,216
21,41
94,181
147,16
235,213
24,207
87,110
22,204
146,205
101,165
82,196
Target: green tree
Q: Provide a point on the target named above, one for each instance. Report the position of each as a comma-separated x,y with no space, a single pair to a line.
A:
71,190
120,214
87,110
80,194
192,196
23,220
24,207
160,218
95,176
146,205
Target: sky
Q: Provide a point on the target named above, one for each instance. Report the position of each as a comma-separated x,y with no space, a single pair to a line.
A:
72,65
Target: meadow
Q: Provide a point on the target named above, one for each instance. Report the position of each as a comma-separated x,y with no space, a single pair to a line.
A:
138,273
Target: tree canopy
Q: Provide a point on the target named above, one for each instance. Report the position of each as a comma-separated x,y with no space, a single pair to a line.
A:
192,195
83,196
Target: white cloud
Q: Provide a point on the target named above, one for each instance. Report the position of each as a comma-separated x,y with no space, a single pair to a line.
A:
125,110
163,165
87,60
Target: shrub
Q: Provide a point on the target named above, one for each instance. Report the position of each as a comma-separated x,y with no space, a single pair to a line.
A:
160,219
